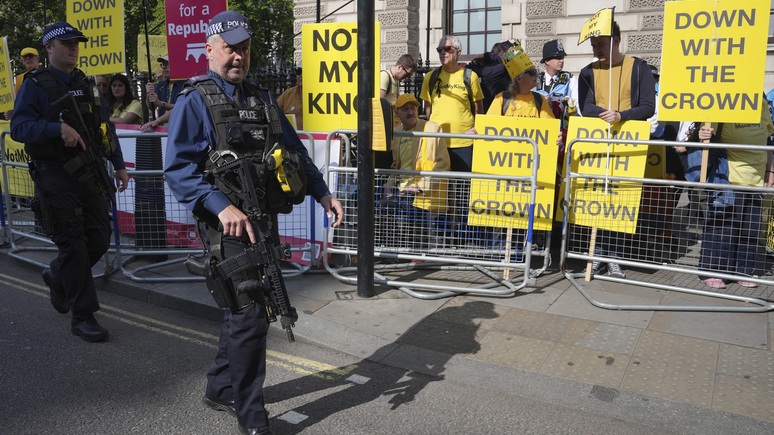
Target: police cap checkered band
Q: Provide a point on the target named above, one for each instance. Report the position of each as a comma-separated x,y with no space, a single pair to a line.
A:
231,26
62,31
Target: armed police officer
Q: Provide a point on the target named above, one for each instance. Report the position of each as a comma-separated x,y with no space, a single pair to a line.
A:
226,140
63,121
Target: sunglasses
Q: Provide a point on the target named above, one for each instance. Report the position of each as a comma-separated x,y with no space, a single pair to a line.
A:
448,49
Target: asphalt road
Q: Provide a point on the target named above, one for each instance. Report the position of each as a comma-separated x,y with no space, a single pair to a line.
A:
149,378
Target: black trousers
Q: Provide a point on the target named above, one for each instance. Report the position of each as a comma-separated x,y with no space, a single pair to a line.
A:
239,370
82,233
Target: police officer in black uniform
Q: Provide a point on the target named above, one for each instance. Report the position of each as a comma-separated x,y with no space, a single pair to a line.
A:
221,116
71,200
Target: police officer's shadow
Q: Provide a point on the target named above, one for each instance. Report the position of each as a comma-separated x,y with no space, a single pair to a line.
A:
400,370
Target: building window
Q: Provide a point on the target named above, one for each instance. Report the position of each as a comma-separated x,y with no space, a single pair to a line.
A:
477,24
771,27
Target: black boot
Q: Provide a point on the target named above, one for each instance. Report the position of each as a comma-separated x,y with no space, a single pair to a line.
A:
88,329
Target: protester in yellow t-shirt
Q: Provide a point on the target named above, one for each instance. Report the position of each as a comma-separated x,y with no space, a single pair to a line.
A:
522,101
449,105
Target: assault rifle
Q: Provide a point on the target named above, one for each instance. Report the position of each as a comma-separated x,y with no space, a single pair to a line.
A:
237,176
91,158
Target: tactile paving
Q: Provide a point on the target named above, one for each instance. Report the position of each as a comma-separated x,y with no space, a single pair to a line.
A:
745,376
586,365
744,396
543,326
673,368
522,353
611,338
445,337
464,311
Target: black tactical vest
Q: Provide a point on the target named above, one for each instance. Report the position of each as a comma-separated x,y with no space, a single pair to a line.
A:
86,96
250,132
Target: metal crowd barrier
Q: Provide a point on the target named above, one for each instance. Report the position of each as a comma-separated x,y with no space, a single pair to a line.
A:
27,240
149,225
153,226
665,252
408,237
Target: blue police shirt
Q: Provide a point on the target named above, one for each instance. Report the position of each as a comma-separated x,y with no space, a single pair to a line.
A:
192,131
30,124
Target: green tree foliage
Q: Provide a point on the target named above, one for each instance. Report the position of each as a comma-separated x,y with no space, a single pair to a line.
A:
272,20
23,23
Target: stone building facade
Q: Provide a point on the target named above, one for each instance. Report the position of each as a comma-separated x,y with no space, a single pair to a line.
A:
407,25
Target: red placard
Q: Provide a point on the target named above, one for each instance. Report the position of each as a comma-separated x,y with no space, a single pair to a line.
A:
187,33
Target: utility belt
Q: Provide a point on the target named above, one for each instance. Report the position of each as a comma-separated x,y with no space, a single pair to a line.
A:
45,218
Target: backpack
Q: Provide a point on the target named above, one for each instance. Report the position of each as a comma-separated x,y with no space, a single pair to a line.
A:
507,98
465,79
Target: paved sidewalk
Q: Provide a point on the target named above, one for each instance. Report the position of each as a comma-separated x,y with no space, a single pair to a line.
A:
719,361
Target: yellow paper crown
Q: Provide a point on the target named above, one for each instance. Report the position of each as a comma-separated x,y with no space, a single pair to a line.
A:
516,61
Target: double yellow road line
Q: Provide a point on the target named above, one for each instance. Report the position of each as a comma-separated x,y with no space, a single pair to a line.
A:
278,359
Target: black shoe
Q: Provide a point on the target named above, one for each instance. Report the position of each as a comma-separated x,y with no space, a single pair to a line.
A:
57,293
89,330
256,431
217,405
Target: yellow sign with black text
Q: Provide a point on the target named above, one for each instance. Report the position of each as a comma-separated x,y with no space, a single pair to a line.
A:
599,202
329,58
713,60
6,77
158,48
103,23
506,204
19,182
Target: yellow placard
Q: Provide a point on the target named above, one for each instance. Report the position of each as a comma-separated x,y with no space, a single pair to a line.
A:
611,205
600,24
103,23
19,182
329,56
505,204
656,164
713,60
6,77
158,48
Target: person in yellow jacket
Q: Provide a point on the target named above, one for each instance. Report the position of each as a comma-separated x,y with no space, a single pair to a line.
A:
418,154
423,197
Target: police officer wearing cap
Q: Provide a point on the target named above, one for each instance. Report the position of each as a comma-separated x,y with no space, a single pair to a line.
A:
235,380
77,209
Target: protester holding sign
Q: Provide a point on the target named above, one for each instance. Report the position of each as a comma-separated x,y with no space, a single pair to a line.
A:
615,88
162,95
731,239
